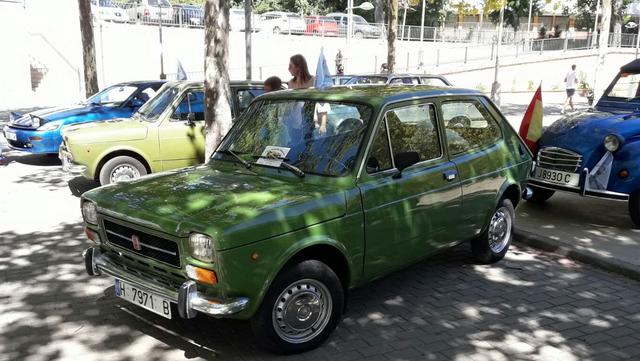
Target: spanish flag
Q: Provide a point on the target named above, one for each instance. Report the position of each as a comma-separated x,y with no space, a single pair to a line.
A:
531,126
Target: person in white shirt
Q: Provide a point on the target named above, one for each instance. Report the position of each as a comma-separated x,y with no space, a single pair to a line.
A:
571,80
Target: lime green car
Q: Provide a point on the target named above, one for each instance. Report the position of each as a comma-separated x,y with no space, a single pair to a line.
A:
166,133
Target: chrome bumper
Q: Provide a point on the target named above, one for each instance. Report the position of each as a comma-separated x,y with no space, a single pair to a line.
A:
67,163
582,189
187,298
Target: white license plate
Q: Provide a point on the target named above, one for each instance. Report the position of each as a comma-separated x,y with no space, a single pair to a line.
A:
10,136
557,177
144,299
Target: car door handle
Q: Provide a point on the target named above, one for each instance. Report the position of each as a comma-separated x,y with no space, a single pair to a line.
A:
450,175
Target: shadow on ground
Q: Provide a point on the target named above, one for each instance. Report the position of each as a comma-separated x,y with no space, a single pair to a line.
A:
529,306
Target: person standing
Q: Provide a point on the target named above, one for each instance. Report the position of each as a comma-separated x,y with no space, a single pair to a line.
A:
339,66
272,83
571,80
300,71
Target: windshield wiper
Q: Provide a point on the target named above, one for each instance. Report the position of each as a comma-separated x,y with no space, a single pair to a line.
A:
242,161
295,170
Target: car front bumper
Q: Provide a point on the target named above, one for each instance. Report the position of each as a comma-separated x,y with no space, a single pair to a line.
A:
68,165
187,298
31,140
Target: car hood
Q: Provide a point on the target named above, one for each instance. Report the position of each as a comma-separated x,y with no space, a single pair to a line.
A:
112,130
234,207
583,131
57,113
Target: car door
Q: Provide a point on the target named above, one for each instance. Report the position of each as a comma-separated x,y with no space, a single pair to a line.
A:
181,142
407,216
473,138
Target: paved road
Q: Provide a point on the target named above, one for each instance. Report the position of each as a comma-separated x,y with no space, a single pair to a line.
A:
531,306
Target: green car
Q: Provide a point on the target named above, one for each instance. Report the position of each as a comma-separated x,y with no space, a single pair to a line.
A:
310,194
165,133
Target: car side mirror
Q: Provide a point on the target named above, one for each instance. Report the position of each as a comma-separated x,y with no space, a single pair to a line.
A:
404,160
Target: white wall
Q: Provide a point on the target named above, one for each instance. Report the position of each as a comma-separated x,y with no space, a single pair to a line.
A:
15,78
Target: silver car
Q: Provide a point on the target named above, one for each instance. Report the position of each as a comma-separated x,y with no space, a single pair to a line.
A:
150,10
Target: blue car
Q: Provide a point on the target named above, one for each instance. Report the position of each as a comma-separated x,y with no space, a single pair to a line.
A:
596,153
39,132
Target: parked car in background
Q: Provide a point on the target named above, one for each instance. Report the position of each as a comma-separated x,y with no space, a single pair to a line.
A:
109,11
361,28
39,132
280,22
166,133
150,10
340,79
415,79
595,153
291,213
321,25
189,15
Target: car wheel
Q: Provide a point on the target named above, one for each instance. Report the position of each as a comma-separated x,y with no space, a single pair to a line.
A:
634,208
492,245
121,168
358,35
300,310
539,195
276,30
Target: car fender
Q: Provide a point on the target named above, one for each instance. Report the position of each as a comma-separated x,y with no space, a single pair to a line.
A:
107,152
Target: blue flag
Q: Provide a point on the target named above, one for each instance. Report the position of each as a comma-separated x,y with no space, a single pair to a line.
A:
182,75
323,77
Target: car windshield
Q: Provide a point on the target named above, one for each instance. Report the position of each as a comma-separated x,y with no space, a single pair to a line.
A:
114,95
316,137
626,87
152,109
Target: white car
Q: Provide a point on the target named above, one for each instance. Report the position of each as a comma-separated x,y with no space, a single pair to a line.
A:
109,11
280,22
150,10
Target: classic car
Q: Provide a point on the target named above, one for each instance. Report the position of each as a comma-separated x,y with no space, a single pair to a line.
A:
595,152
425,79
311,193
321,25
166,133
281,22
38,132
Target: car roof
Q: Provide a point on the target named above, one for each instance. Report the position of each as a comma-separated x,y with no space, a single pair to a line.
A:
141,82
200,83
376,95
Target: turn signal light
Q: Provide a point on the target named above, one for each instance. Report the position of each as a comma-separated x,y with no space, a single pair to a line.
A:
89,234
35,138
202,275
623,174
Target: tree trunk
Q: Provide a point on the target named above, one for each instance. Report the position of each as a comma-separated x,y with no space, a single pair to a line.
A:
379,11
88,48
216,74
392,35
247,37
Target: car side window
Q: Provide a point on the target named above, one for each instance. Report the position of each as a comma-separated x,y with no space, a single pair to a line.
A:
468,125
245,97
144,95
193,102
380,154
414,129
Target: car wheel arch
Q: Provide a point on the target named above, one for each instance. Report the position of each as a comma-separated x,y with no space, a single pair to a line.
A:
329,252
122,152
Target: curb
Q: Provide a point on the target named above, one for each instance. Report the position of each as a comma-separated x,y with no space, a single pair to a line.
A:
551,245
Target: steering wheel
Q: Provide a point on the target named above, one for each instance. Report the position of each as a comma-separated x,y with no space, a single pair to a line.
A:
349,124
459,121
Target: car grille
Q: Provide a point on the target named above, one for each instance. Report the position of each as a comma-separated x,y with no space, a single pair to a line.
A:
151,246
559,159
144,270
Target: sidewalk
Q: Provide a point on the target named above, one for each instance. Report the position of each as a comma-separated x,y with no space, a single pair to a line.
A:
594,231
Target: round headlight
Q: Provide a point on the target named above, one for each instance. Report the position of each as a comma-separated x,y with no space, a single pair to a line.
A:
612,143
90,212
201,247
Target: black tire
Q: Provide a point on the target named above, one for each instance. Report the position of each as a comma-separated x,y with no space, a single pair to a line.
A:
308,278
634,208
358,35
276,30
492,245
540,195
129,166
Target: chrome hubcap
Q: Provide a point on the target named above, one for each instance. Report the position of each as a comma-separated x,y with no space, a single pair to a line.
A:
302,311
124,172
500,230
